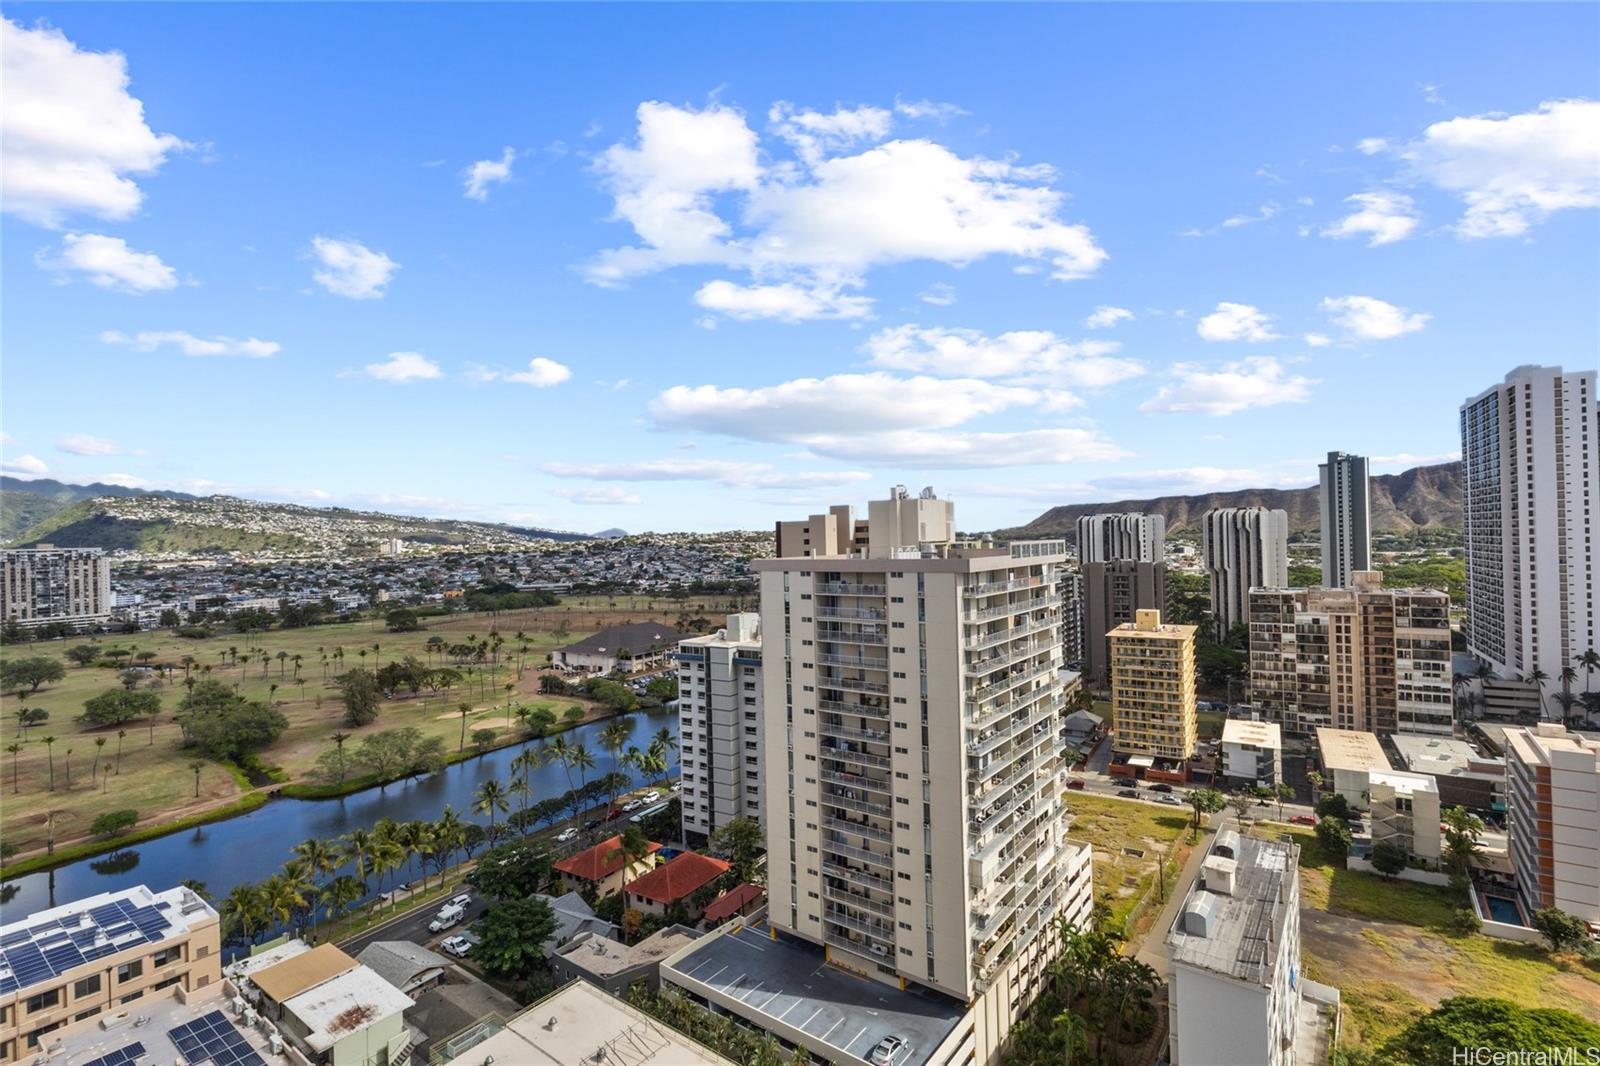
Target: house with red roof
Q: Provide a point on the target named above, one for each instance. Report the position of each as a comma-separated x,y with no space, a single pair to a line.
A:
675,882
600,867
744,898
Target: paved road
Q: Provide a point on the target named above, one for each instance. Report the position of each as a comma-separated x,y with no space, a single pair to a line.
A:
413,925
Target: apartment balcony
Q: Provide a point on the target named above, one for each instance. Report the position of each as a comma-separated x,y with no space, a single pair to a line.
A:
859,877
1020,800
852,684
864,829
860,758
881,930
850,588
841,894
991,738
850,851
864,709
993,587
849,780
991,640
852,614
1010,681
864,947
859,662
989,664
851,803
833,729
860,635
1009,767
1036,603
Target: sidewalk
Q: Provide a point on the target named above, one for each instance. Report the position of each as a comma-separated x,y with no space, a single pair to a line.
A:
1153,952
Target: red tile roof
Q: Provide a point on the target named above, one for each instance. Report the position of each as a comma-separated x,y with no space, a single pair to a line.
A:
599,862
726,906
678,878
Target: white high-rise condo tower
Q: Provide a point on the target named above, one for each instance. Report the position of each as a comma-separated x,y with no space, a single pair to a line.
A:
1346,510
1530,447
1245,548
913,767
1105,538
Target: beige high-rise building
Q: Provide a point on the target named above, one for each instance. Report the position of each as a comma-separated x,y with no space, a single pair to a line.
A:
913,760
1152,692
1245,548
44,585
719,726
1364,657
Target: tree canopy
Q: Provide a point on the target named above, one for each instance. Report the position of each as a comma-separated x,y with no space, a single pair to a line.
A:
116,706
511,937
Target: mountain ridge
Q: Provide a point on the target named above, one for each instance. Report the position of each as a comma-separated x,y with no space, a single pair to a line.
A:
1424,497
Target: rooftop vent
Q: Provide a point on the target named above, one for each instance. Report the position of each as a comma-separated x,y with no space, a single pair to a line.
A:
1200,915
1217,872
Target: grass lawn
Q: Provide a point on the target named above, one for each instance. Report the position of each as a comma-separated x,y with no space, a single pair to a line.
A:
1209,724
1114,828
1386,946
155,777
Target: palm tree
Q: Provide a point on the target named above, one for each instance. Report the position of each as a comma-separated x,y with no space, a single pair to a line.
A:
491,798
612,738
242,912
196,765
281,896
14,749
558,750
283,657
463,709
340,893
319,857
21,714
1590,661
1539,677
667,740
358,845
449,834
121,735
583,762
50,754
387,857
94,768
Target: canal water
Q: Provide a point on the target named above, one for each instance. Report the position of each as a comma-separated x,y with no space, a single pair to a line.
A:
254,846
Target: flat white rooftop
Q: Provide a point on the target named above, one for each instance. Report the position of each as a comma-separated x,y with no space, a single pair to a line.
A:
1350,749
1404,784
580,1025
345,1004
1252,734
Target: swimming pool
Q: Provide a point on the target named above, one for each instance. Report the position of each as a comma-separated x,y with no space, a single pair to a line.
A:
1503,909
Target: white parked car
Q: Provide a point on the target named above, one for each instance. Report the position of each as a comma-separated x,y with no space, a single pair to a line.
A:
566,834
456,945
463,901
677,786
650,797
632,805
450,915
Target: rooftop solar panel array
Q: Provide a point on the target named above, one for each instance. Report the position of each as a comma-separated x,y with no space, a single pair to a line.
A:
211,1038
38,951
123,1056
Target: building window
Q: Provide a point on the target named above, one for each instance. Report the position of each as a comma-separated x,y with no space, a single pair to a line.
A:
86,987
44,1001
130,970
90,1013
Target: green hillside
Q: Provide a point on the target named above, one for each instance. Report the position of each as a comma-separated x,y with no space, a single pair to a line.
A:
87,525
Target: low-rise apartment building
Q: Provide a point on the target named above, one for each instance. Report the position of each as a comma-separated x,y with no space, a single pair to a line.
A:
1463,777
719,726
1405,812
1237,992
1252,753
1553,792
1348,758
84,959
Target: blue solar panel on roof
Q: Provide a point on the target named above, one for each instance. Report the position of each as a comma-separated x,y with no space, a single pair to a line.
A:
214,1037
123,1056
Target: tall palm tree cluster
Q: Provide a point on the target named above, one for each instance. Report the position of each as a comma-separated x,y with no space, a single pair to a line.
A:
326,877
1097,1007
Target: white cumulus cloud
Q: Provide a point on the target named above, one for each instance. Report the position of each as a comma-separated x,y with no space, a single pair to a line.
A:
1236,322
1105,316
72,137
1513,171
350,268
1366,318
1230,388
401,367
1382,217
485,172
109,263
697,188
542,373
785,301
189,344
85,444
1036,357
25,464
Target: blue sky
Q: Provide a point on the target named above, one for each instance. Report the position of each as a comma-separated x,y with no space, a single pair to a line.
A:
720,265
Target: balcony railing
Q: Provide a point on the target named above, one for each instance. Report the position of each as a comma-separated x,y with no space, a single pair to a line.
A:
860,947
992,587
851,684
850,588
1035,603
881,930
860,758
855,900
840,707
866,829
832,729
860,635
850,851
850,803
860,877
1010,681
856,781
860,662
852,614
990,640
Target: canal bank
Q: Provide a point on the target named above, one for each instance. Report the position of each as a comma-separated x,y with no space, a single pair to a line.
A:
251,846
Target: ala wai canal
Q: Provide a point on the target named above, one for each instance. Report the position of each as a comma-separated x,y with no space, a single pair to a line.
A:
253,846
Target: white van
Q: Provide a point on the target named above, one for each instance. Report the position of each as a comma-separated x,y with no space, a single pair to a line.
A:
450,915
